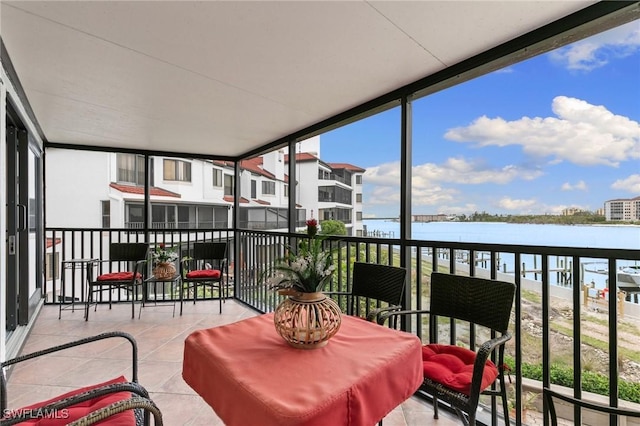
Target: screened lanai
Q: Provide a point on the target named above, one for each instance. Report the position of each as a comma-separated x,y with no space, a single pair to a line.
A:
225,83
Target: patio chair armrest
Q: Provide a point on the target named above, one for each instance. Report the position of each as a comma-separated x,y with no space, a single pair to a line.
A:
394,314
16,360
132,403
102,336
482,355
45,410
374,313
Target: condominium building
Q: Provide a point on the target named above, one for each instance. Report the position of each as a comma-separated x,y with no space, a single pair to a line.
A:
624,209
107,190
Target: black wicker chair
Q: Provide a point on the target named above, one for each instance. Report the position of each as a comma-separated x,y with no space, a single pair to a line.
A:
88,405
207,266
605,410
123,270
483,302
375,284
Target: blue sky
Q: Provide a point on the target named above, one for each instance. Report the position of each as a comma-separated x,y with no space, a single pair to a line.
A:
558,130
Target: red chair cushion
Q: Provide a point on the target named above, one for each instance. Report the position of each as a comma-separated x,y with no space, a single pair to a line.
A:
452,366
75,412
119,276
204,273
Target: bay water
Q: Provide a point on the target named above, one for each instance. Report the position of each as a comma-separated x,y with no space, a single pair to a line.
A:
584,236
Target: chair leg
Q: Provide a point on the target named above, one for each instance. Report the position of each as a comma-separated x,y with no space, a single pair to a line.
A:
435,407
88,304
505,405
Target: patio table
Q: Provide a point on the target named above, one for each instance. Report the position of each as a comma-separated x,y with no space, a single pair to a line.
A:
249,375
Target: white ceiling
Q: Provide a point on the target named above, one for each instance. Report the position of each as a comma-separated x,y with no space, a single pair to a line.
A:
223,78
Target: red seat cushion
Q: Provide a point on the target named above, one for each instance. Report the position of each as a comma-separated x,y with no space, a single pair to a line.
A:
75,412
452,366
204,273
119,276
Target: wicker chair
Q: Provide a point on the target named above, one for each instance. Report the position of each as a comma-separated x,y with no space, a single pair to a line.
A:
460,383
125,272
196,273
550,396
373,282
88,405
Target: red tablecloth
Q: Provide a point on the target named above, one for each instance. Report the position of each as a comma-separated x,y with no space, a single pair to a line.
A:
251,376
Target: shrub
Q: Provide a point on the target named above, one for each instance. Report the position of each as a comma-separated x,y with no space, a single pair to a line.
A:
592,382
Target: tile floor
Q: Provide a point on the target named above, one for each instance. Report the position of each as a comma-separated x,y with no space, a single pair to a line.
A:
160,338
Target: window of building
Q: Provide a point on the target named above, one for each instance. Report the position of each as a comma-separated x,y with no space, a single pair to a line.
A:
177,170
131,168
52,271
286,190
358,198
254,188
217,177
106,213
228,185
358,179
358,216
268,188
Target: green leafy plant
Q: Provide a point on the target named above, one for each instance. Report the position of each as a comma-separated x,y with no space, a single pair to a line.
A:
162,254
306,271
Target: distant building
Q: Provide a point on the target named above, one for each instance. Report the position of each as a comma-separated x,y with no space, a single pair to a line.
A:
430,218
571,211
623,209
599,212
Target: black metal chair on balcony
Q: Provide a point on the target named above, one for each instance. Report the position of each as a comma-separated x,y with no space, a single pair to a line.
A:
453,374
123,270
380,287
206,267
112,400
603,411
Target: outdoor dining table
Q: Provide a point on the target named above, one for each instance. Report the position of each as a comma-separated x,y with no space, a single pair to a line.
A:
250,376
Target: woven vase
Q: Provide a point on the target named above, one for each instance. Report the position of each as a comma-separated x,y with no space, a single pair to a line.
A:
164,270
307,320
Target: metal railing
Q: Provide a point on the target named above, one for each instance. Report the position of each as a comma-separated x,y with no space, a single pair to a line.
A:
553,300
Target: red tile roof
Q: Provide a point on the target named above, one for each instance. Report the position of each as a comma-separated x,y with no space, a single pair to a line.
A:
346,166
132,189
266,203
302,156
255,165
229,199
50,242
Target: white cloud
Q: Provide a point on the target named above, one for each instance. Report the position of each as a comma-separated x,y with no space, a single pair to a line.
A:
596,51
630,184
580,186
582,133
427,179
519,205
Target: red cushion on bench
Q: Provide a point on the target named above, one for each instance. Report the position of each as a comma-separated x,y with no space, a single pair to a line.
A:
452,366
204,273
119,276
75,412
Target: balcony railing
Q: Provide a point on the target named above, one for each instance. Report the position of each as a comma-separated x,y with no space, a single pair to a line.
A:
554,307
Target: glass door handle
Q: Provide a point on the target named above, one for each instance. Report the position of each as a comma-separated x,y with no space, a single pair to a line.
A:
22,217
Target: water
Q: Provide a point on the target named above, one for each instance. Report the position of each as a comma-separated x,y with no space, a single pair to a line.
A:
590,236
585,236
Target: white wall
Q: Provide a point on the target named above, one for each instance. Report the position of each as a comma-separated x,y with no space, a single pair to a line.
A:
308,187
76,183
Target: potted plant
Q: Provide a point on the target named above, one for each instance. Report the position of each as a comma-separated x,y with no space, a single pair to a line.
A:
306,318
163,258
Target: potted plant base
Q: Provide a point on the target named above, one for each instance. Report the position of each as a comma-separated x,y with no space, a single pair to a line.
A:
307,320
